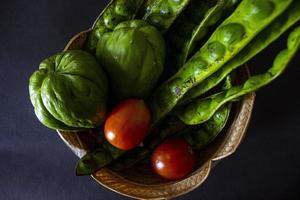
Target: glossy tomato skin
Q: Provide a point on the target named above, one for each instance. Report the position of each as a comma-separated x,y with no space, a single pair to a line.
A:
173,159
128,124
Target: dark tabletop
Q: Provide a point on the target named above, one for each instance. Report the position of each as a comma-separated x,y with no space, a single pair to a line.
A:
36,165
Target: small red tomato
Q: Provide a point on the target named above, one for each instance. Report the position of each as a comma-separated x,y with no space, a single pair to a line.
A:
128,124
173,159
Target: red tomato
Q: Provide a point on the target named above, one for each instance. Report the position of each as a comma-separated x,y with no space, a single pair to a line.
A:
173,159
128,124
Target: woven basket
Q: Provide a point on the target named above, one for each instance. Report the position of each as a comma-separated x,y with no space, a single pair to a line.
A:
140,182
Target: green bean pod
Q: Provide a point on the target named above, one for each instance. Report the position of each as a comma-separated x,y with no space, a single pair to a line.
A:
250,17
92,162
202,110
116,11
208,15
98,158
200,137
162,13
260,42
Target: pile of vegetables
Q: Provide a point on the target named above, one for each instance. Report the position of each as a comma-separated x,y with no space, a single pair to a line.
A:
157,79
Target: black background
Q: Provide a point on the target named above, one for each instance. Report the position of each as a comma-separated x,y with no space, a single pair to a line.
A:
35,164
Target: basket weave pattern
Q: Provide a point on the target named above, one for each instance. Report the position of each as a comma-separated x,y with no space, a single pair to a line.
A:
164,190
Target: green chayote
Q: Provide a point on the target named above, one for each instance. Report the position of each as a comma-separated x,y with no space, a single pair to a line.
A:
133,56
69,91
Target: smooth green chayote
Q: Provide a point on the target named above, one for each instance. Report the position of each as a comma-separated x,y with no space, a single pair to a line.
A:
199,111
133,56
260,42
69,91
115,12
250,17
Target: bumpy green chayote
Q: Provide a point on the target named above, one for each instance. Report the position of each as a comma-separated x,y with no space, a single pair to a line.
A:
133,55
69,91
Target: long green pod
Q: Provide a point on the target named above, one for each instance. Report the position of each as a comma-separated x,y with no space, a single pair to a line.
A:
250,17
213,11
162,13
93,161
200,137
260,42
202,110
176,39
100,157
116,11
